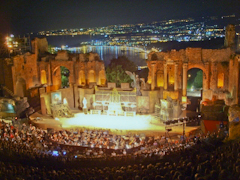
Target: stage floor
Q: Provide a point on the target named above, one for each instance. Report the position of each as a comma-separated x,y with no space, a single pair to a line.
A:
147,124
140,123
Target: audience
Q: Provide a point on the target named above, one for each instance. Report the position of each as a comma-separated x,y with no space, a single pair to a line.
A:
28,152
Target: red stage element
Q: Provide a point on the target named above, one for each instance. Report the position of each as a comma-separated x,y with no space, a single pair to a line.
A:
212,126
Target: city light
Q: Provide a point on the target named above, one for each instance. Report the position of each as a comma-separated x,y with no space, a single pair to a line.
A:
194,30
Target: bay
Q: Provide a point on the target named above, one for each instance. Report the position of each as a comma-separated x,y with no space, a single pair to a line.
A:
74,44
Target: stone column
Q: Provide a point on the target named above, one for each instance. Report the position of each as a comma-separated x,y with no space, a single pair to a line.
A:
43,106
165,77
206,77
176,77
97,78
153,84
184,89
214,76
49,78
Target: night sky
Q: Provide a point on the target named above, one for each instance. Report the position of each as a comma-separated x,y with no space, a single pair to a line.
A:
23,16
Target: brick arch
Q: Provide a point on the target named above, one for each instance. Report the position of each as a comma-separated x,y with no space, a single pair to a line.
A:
81,78
57,78
199,66
160,78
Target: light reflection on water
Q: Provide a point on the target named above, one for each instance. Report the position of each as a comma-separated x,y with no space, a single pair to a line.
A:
106,53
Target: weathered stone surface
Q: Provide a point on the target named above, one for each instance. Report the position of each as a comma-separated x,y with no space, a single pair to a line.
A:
21,105
230,36
234,121
62,56
39,46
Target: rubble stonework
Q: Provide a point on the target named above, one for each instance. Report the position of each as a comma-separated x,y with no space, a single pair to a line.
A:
230,36
39,46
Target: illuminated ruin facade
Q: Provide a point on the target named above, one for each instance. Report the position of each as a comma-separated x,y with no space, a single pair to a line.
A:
36,73
168,72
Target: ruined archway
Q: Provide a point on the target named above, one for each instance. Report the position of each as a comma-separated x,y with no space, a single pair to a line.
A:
56,78
91,76
61,77
160,78
43,77
220,80
81,78
102,77
194,82
64,77
21,87
194,88
170,77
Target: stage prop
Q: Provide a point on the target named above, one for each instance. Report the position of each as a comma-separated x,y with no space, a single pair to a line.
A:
168,109
136,82
59,109
85,110
117,103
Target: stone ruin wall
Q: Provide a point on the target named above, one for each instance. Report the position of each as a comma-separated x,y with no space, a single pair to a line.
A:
215,64
29,69
82,62
193,55
39,46
25,68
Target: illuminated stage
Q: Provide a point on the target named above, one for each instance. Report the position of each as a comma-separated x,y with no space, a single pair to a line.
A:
147,124
138,122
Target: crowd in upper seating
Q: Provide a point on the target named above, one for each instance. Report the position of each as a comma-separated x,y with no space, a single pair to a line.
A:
27,152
